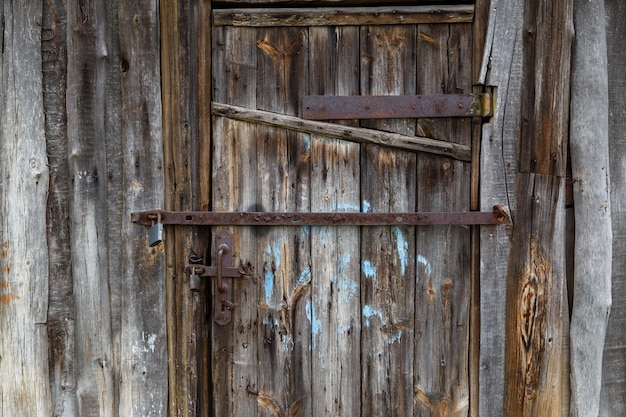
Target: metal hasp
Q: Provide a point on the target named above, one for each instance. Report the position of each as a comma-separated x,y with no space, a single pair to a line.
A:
223,272
213,218
392,107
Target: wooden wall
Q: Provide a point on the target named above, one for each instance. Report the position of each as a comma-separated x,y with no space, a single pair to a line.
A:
93,125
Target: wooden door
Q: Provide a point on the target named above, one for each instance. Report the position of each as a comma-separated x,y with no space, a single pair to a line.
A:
347,320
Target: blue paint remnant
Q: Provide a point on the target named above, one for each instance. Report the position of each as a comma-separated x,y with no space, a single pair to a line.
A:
396,338
272,262
344,329
348,207
316,325
369,270
369,312
427,268
305,277
403,249
349,288
306,145
366,206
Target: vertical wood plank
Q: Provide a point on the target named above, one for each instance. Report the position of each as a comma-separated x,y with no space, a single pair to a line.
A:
536,276
61,308
24,174
499,166
86,92
387,273
613,396
143,386
589,151
234,188
335,251
443,276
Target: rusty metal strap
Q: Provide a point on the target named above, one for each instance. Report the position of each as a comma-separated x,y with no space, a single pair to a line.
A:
393,107
212,218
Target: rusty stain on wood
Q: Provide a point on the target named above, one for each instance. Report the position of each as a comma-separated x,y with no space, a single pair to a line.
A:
7,299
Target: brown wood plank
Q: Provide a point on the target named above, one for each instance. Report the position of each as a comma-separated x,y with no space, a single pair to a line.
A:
535,299
443,271
25,388
536,275
613,396
303,3
143,340
387,184
354,16
335,253
353,134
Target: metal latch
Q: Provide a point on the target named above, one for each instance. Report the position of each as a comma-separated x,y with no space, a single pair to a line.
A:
224,272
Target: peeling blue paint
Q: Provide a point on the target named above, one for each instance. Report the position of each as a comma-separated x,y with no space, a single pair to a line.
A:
366,206
344,329
305,277
403,249
348,207
316,325
369,270
369,312
349,288
396,338
427,267
272,262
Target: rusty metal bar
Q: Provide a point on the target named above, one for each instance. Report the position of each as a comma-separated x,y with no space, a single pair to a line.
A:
391,107
212,218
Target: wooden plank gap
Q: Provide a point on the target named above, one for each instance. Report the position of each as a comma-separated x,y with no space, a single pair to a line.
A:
352,134
344,16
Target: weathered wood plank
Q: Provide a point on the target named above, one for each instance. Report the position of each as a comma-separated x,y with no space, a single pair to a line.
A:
353,134
284,161
353,16
61,308
548,34
24,176
443,277
387,183
502,63
86,98
143,346
234,355
301,3
335,253
589,150
536,275
535,298
613,396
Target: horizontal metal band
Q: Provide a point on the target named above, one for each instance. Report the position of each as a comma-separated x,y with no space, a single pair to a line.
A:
212,218
394,107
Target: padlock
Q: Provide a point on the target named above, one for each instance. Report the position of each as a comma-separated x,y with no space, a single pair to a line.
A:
156,232
194,281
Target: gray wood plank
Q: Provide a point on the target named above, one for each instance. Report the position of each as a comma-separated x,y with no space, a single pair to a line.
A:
613,395
143,341
442,254
387,271
335,251
61,308
25,388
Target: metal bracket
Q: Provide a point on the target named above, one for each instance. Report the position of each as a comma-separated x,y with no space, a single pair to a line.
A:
224,272
389,107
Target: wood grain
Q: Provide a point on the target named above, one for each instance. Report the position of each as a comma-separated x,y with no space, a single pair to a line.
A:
24,180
